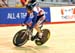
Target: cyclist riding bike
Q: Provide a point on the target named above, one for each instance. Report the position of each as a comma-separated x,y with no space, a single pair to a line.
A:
32,8
34,18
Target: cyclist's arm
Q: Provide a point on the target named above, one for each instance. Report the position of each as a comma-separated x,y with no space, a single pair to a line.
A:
33,20
28,19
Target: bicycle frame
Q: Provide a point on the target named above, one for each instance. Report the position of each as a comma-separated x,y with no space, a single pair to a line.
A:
29,33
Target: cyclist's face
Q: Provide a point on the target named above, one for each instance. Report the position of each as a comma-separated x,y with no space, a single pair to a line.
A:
29,11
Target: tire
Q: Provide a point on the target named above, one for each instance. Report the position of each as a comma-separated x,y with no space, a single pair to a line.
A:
20,38
45,37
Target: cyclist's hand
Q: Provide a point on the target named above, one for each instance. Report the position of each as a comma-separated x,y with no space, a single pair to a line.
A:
29,24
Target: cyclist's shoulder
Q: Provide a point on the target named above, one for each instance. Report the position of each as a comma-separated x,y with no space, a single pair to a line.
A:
37,9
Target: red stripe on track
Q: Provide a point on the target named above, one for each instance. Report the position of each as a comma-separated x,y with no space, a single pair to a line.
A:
7,25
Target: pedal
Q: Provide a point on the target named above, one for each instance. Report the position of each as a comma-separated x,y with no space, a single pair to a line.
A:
33,38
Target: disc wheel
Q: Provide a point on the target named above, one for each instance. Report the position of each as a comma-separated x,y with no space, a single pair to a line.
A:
20,38
45,37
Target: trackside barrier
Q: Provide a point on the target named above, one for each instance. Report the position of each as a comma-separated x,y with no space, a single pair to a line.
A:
54,15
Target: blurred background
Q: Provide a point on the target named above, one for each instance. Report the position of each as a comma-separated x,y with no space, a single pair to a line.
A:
42,3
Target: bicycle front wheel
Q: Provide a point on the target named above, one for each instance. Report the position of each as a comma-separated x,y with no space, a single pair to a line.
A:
20,38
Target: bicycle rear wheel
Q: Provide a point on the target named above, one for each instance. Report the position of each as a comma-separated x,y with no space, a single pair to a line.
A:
45,37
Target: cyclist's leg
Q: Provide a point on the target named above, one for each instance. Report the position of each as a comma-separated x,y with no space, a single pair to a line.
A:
39,22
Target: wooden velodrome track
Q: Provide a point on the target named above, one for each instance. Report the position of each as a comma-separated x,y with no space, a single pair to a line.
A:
62,40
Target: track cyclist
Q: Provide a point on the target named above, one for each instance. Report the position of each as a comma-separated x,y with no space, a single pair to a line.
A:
35,16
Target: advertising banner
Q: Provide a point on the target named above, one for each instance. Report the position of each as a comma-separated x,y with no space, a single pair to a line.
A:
17,15
62,14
